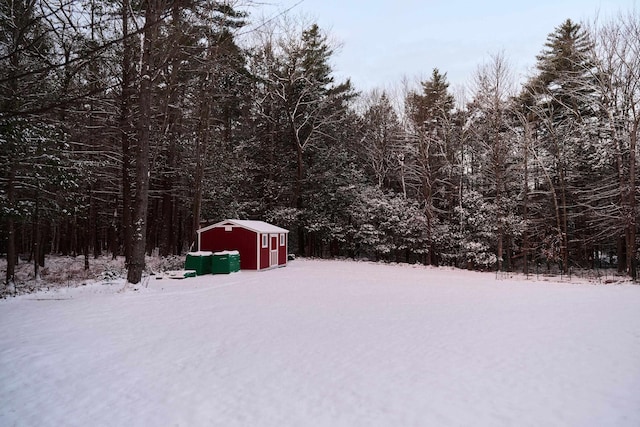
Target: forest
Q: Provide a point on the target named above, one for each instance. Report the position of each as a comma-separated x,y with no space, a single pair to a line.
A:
126,125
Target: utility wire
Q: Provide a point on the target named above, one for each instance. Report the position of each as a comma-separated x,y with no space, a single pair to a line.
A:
273,18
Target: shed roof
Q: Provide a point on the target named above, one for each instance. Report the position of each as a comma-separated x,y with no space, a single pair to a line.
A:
257,226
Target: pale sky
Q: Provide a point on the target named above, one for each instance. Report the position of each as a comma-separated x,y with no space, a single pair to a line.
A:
386,40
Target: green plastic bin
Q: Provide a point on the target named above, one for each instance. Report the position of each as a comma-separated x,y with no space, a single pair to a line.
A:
234,261
198,261
225,262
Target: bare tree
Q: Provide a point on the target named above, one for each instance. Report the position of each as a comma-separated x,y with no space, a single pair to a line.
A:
618,62
381,134
299,84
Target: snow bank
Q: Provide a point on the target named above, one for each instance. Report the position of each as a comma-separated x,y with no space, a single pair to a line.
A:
324,343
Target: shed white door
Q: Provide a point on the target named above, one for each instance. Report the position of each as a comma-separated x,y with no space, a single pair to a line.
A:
273,250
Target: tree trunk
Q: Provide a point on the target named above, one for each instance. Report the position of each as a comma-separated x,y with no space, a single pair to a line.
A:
525,203
197,207
139,236
500,214
621,242
298,198
85,240
95,232
125,129
11,231
36,237
631,243
201,157
113,231
564,249
621,247
167,226
500,248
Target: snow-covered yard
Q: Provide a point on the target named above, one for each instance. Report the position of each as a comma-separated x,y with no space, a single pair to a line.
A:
324,343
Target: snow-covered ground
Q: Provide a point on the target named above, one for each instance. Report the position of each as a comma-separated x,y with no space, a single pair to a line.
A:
324,343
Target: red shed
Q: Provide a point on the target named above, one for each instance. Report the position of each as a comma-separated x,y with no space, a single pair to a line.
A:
261,245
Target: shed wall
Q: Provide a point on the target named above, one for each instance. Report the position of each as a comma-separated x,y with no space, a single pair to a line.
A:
239,239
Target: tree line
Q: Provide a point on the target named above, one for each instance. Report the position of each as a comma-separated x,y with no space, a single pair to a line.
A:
125,125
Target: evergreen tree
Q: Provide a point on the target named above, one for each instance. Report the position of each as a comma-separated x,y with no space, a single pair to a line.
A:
33,150
562,98
432,157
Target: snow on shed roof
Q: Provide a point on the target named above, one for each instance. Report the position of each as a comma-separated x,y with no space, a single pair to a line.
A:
257,226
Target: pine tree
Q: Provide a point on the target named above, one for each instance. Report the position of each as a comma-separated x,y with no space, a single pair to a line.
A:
562,98
33,146
432,156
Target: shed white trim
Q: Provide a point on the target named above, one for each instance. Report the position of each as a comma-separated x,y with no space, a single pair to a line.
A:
256,226
258,248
